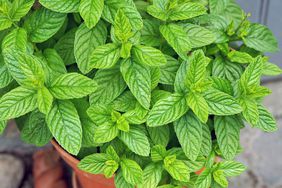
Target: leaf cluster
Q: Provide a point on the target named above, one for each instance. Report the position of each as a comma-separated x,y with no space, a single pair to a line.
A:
149,91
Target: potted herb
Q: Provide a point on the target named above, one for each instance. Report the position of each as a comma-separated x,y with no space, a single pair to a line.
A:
146,93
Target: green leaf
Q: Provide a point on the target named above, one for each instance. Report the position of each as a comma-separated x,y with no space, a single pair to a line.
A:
5,6
100,114
222,85
95,163
15,40
120,182
88,126
225,69
148,55
259,92
216,23
91,11
137,77
240,57
250,110
136,140
217,7
199,106
20,8
175,153
44,100
180,86
64,123
64,6
223,47
155,76
25,69
152,175
231,168
197,68
86,40
168,70
204,179
198,36
221,103
168,186
206,146
229,9
177,38
35,130
125,102
261,39
111,152
251,76
219,177
125,51
5,76
122,27
53,65
186,11
167,110
227,130
5,22
195,166
158,153
131,171
17,102
189,133
136,116
43,24
110,169
159,9
110,86
266,120
105,133
270,69
178,170
105,56
159,135
65,47
210,160
111,8
150,34
72,85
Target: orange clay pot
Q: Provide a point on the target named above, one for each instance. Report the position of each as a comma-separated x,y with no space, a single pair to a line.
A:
74,181
85,180
47,169
81,179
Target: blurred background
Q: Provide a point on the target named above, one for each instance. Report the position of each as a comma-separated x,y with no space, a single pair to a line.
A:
262,152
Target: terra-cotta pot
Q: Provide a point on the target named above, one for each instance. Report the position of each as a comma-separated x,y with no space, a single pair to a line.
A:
81,179
85,180
47,169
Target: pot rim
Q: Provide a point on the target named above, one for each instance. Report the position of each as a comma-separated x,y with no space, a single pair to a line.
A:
73,163
64,153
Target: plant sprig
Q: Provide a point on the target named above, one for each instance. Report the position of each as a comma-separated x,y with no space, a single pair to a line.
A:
145,83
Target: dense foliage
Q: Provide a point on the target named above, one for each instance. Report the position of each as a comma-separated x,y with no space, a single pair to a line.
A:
151,91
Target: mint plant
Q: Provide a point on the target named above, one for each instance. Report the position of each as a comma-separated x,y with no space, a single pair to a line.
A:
154,93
